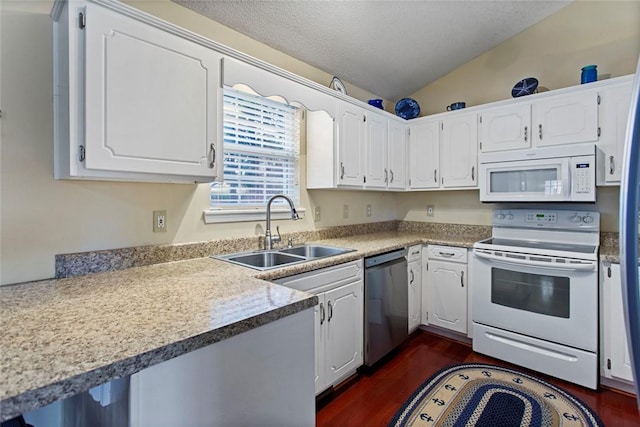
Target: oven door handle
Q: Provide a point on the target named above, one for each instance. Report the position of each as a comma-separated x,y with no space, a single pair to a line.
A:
587,266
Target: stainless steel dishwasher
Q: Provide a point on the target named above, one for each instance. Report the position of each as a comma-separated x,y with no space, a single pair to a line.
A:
386,307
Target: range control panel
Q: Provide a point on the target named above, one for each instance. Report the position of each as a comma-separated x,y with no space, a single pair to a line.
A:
545,218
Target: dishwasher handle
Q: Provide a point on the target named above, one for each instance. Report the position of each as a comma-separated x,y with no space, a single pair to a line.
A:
385,258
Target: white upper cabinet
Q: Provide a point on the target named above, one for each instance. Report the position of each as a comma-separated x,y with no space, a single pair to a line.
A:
444,153
133,100
397,155
614,114
459,151
566,118
359,149
377,173
351,144
505,128
424,155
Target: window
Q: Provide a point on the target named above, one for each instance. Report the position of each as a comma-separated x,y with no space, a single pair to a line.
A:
261,151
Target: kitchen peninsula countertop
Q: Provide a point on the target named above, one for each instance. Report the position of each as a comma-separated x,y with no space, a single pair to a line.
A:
63,336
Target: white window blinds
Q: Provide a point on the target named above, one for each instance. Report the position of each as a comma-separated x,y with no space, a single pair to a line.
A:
261,151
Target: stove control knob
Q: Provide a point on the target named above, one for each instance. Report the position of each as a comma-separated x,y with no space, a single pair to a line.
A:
587,219
500,216
509,216
576,218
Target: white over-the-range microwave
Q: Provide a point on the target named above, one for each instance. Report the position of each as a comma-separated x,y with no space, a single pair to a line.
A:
564,173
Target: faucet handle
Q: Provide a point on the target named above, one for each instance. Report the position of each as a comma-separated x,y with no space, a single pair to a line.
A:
290,242
278,238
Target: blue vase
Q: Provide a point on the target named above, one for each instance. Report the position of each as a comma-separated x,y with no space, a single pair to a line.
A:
589,74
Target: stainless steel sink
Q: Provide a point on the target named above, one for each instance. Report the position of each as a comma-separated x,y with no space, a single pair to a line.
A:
315,251
262,260
268,259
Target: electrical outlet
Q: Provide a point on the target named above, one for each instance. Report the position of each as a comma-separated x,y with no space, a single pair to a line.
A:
368,210
430,210
159,221
316,213
345,211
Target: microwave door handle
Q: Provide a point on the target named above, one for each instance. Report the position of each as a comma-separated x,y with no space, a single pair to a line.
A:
569,267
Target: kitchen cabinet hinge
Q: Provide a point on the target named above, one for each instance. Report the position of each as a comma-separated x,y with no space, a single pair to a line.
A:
82,21
82,153
608,271
608,363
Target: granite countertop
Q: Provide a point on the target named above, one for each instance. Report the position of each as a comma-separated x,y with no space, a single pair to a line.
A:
63,336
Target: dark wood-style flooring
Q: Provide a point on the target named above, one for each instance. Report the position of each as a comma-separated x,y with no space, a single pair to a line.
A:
372,398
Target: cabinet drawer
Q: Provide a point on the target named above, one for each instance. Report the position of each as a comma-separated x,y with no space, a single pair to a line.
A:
325,278
447,253
414,253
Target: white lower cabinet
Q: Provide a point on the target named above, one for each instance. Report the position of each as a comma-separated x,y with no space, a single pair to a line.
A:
446,288
339,318
414,273
262,376
616,362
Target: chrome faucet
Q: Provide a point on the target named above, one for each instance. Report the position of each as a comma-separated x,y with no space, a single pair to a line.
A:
269,240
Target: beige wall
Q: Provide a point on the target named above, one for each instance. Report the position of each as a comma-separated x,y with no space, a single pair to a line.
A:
41,217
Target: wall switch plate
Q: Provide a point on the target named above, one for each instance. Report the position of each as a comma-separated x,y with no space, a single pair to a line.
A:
368,210
430,210
316,213
159,221
345,211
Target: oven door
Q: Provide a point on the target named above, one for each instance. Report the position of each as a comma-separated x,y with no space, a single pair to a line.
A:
537,296
544,180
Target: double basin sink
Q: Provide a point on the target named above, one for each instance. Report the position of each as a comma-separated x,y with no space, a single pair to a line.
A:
268,259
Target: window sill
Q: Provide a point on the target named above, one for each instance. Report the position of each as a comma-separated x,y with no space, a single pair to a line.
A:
216,216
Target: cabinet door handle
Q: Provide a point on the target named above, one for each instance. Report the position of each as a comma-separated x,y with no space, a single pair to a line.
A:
473,173
435,175
322,313
462,278
391,172
212,154
386,176
412,276
526,133
611,165
330,311
341,170
540,131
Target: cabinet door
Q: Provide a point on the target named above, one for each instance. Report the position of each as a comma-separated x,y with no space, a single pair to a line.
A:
415,294
505,128
397,155
152,99
448,295
619,355
565,119
614,109
377,173
424,310
459,158
351,133
344,330
320,311
424,155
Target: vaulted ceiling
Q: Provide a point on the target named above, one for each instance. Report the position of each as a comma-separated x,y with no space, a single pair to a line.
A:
389,48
